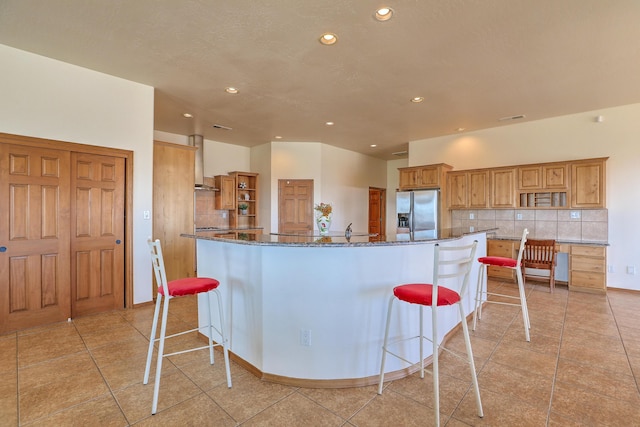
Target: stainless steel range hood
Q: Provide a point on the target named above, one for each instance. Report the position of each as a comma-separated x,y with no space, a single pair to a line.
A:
198,142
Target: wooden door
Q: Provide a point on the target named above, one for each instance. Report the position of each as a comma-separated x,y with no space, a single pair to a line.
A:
34,236
173,205
295,205
97,233
377,216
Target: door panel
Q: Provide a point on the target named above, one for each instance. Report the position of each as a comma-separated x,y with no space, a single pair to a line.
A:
377,217
34,210
295,200
97,233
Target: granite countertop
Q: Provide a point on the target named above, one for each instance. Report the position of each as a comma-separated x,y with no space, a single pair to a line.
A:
494,236
334,239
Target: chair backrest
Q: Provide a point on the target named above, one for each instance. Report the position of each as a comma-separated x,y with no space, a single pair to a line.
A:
523,241
158,264
539,254
452,262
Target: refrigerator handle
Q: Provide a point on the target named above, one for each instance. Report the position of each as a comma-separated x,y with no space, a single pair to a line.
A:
411,212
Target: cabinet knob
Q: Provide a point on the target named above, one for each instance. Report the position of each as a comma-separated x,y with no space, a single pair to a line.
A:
118,241
3,249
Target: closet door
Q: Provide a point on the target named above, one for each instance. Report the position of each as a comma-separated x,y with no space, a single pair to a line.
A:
97,233
34,236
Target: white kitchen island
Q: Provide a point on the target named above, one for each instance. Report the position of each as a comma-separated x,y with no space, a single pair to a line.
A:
310,311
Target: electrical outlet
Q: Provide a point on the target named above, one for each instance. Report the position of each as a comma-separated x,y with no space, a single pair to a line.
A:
472,228
610,269
146,215
472,216
631,269
224,214
575,214
305,337
519,216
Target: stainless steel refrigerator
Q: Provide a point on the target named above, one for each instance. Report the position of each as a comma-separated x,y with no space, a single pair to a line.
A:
417,214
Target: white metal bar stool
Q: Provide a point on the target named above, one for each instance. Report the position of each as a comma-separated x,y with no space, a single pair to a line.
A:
177,288
482,293
452,263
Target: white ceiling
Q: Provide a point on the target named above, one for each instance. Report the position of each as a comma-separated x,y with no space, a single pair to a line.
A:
474,62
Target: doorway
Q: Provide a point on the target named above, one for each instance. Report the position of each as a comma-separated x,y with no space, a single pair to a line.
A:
295,206
377,211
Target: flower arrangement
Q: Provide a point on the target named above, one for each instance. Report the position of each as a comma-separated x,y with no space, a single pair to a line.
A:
243,207
324,209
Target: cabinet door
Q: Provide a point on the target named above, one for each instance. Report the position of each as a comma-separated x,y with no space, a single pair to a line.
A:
457,182
529,177
429,177
225,197
503,193
173,184
478,189
408,178
588,184
555,176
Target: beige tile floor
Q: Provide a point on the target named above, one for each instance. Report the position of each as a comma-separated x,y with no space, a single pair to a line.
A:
578,370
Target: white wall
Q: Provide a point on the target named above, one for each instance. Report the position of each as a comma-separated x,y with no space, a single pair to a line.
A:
45,98
576,136
341,177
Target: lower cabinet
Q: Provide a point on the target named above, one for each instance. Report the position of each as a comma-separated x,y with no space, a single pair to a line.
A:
502,248
588,268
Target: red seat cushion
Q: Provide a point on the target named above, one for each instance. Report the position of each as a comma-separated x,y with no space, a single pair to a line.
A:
498,261
189,286
420,293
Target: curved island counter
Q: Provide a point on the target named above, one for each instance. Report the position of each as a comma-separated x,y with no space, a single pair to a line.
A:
310,310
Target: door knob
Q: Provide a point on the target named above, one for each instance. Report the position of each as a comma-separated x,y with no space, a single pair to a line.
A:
118,241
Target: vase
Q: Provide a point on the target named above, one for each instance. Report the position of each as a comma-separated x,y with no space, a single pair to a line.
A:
324,223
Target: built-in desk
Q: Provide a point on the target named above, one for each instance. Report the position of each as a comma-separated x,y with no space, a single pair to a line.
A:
310,310
582,265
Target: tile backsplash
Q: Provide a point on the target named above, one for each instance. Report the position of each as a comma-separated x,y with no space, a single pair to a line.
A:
575,225
206,213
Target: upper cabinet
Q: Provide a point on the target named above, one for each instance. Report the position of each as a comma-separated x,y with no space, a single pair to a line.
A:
468,189
225,198
421,177
543,186
588,183
503,188
572,184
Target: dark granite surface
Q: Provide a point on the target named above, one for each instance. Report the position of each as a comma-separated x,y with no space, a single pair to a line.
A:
333,238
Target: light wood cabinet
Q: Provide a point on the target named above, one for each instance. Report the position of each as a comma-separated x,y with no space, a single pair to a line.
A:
225,197
468,189
423,177
588,183
543,185
587,268
503,190
173,200
246,194
502,248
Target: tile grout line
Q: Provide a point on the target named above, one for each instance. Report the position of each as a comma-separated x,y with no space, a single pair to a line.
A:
555,373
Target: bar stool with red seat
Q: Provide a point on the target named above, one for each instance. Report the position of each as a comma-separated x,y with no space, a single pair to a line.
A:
168,291
483,294
453,264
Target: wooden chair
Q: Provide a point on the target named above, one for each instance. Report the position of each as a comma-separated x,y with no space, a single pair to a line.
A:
541,255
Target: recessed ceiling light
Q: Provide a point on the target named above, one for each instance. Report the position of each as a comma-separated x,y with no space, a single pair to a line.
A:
417,99
460,129
187,115
328,39
384,14
278,137
373,146
329,123
231,89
